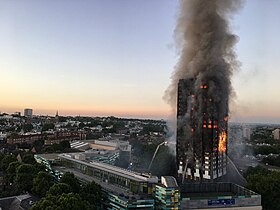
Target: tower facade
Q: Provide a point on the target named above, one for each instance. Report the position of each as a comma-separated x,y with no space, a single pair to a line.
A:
201,143
28,113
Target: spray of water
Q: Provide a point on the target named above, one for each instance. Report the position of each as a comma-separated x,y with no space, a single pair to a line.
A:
235,168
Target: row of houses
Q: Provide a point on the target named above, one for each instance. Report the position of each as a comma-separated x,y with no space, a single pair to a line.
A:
49,138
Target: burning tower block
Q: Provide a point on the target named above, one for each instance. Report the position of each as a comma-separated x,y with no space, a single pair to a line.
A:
201,145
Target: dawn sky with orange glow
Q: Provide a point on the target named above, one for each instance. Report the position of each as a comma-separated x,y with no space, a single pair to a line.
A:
108,57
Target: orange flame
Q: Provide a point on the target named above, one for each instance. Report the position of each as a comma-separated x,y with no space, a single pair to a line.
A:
222,141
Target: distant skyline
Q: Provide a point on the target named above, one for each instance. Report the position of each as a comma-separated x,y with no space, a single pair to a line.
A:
102,58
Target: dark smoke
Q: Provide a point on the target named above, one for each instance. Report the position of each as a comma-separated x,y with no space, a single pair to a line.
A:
206,49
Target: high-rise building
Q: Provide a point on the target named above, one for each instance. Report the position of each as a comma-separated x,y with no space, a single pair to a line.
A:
246,133
28,113
201,143
276,134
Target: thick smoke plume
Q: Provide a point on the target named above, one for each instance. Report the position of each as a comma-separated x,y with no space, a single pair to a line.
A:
206,49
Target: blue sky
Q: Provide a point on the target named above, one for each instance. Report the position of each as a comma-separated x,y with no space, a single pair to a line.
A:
256,84
108,57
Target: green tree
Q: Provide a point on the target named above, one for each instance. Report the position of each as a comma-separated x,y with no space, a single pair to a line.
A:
11,171
28,159
27,127
59,189
47,126
24,177
39,143
42,183
48,149
39,167
81,125
152,128
91,192
6,160
65,144
71,180
275,161
57,147
62,202
266,183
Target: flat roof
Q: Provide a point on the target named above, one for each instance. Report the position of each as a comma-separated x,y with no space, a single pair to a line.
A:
107,186
78,144
109,168
214,189
51,156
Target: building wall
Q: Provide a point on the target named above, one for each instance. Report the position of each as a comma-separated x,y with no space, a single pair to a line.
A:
105,176
113,202
237,203
247,133
217,195
167,198
276,134
29,139
201,133
28,112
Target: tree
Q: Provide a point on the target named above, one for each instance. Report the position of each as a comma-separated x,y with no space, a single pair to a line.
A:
11,171
42,183
39,167
65,144
29,159
24,177
91,192
152,128
27,127
56,147
59,189
47,126
272,160
81,125
6,160
48,149
266,183
71,180
39,143
62,202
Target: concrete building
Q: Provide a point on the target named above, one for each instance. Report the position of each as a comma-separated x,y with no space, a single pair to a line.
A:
122,202
2,136
276,134
167,194
123,189
246,133
79,145
26,138
28,112
20,202
218,196
52,137
60,136
201,143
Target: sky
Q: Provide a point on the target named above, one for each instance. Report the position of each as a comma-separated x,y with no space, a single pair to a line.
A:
108,57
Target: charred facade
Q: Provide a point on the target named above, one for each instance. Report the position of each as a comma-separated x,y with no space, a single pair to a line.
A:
201,132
